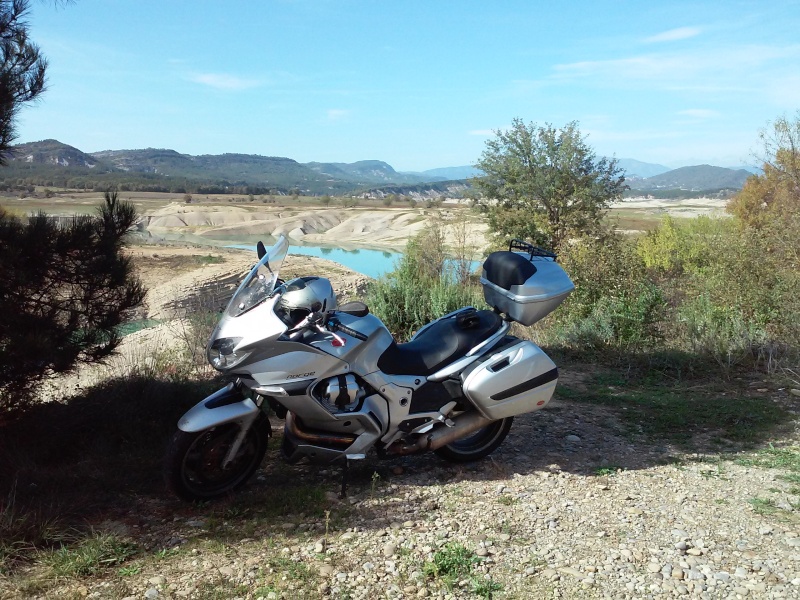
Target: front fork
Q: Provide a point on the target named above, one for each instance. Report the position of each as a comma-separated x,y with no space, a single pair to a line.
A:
226,405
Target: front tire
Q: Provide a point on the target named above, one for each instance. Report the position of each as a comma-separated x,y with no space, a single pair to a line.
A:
477,445
193,464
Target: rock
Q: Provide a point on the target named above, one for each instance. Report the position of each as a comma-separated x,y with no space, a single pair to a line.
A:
795,392
572,572
151,593
653,567
389,550
482,551
572,439
226,571
326,570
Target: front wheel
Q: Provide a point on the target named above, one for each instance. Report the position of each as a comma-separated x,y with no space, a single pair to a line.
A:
477,445
193,465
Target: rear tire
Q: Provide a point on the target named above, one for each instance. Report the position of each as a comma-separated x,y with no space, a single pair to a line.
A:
193,465
477,445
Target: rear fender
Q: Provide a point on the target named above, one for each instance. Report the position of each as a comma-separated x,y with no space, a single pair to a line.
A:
226,405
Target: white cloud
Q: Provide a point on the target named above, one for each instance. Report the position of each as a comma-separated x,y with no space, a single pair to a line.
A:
699,113
335,114
674,35
224,81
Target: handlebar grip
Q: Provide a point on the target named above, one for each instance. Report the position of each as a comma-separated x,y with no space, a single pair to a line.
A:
351,332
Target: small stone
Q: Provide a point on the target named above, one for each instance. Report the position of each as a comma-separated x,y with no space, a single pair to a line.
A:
795,392
653,567
572,439
326,570
159,580
482,551
794,542
694,551
151,593
319,547
368,566
408,524
226,571
549,573
389,550
349,535
288,526
740,573
572,572
504,537
722,576
742,591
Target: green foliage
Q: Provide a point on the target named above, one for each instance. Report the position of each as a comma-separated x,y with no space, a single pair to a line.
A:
89,556
67,289
22,70
451,563
545,184
614,305
420,288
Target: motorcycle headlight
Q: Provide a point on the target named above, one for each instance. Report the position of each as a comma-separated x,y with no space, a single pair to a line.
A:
221,353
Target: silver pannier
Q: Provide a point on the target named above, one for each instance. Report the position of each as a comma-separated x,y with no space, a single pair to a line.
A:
524,282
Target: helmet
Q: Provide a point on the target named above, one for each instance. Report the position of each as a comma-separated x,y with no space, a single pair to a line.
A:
302,296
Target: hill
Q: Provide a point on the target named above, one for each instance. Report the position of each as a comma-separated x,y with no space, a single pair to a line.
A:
54,153
638,169
700,177
54,164
366,172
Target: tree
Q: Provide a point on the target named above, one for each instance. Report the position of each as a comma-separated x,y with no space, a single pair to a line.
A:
545,184
773,196
66,289
22,70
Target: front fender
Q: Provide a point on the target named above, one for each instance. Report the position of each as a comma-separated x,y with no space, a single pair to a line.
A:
223,406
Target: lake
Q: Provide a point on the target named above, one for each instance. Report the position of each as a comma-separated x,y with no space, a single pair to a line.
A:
369,261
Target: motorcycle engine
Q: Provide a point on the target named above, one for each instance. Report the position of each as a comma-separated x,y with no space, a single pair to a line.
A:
340,394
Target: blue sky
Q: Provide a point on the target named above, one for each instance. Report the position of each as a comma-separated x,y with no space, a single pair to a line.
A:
418,84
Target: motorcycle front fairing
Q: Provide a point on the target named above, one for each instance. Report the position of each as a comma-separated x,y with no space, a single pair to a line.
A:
249,316
245,321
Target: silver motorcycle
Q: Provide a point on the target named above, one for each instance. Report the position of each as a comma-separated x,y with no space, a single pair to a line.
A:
346,388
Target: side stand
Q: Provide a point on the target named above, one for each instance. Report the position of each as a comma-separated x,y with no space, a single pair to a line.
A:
343,492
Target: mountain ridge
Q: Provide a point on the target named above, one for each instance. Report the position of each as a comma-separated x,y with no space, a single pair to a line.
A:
51,162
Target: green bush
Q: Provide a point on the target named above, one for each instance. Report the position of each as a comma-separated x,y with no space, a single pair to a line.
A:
420,289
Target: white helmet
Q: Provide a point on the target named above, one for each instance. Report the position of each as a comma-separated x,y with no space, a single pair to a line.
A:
302,296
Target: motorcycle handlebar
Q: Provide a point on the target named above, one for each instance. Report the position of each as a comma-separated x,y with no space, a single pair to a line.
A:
335,325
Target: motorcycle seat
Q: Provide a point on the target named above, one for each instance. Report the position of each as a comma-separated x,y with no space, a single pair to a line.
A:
439,345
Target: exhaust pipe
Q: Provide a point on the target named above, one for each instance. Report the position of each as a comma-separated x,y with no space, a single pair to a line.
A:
463,425
317,438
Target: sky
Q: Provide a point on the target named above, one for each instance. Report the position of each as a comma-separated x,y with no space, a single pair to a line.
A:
418,84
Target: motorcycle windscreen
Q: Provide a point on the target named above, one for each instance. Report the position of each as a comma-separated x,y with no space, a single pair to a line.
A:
260,281
519,379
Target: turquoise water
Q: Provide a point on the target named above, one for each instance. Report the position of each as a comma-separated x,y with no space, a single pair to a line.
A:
372,263
368,261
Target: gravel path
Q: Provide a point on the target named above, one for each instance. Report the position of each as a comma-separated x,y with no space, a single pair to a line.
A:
568,507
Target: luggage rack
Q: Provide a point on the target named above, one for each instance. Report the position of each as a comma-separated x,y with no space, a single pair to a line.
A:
530,249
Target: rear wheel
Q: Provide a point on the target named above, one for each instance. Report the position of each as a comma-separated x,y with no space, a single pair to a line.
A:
193,465
479,444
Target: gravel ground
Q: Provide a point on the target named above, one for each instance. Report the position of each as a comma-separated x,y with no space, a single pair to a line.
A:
568,507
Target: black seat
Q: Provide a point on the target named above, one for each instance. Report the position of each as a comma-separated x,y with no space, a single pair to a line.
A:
440,344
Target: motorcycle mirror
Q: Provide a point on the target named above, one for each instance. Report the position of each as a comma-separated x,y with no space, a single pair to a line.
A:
357,309
260,250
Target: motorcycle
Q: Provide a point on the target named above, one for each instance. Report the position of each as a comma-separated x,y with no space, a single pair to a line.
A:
346,388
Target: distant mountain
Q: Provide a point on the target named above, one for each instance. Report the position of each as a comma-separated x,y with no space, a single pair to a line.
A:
52,152
53,163
700,177
366,172
453,173
636,168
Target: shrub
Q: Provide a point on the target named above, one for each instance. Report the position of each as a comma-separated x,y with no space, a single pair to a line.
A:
419,289
66,290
